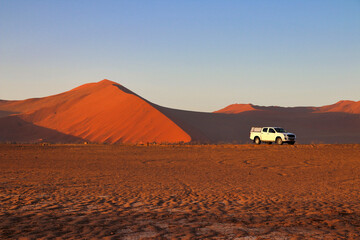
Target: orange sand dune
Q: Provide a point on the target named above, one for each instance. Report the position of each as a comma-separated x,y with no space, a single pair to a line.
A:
236,108
342,106
100,112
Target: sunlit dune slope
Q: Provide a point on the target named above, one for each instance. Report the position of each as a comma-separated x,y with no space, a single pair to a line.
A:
100,112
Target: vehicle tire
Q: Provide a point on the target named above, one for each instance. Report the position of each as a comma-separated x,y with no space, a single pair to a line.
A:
279,141
257,141
291,143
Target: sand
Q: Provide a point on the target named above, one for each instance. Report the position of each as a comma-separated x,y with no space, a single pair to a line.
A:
187,192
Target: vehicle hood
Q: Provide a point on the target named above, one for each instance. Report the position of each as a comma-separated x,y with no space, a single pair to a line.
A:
289,133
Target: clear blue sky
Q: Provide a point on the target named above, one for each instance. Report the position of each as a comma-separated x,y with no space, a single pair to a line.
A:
195,55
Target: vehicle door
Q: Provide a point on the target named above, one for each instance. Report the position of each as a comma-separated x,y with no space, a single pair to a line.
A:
264,134
271,135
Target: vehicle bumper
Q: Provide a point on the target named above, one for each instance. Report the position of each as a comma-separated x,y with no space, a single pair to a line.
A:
289,140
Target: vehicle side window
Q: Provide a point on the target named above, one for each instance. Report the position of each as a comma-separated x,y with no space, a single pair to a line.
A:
264,130
271,130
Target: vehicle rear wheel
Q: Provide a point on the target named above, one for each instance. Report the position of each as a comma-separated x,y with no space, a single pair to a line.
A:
279,141
257,140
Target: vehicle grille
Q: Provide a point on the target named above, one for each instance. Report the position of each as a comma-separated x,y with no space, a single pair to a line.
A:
291,136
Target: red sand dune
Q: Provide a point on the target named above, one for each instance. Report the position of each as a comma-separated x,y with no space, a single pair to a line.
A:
100,112
108,112
342,106
236,108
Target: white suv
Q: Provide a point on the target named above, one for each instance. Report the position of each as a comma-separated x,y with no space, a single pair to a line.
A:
271,134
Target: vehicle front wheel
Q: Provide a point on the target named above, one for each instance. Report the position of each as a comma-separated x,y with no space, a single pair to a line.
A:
257,141
279,141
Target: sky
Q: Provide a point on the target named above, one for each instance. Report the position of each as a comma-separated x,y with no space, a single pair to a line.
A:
191,55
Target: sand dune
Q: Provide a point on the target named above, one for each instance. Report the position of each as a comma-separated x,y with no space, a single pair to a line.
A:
342,106
108,112
236,108
100,112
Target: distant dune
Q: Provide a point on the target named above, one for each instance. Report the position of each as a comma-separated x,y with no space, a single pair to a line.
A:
342,106
236,108
106,112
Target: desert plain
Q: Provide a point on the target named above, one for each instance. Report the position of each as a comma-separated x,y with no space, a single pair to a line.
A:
79,191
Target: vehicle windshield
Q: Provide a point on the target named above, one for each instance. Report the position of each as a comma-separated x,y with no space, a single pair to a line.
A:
280,130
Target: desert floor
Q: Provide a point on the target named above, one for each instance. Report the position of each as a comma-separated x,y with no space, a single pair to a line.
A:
187,192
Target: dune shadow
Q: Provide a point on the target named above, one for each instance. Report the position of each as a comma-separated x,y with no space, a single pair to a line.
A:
15,129
6,113
124,89
285,109
234,128
309,125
